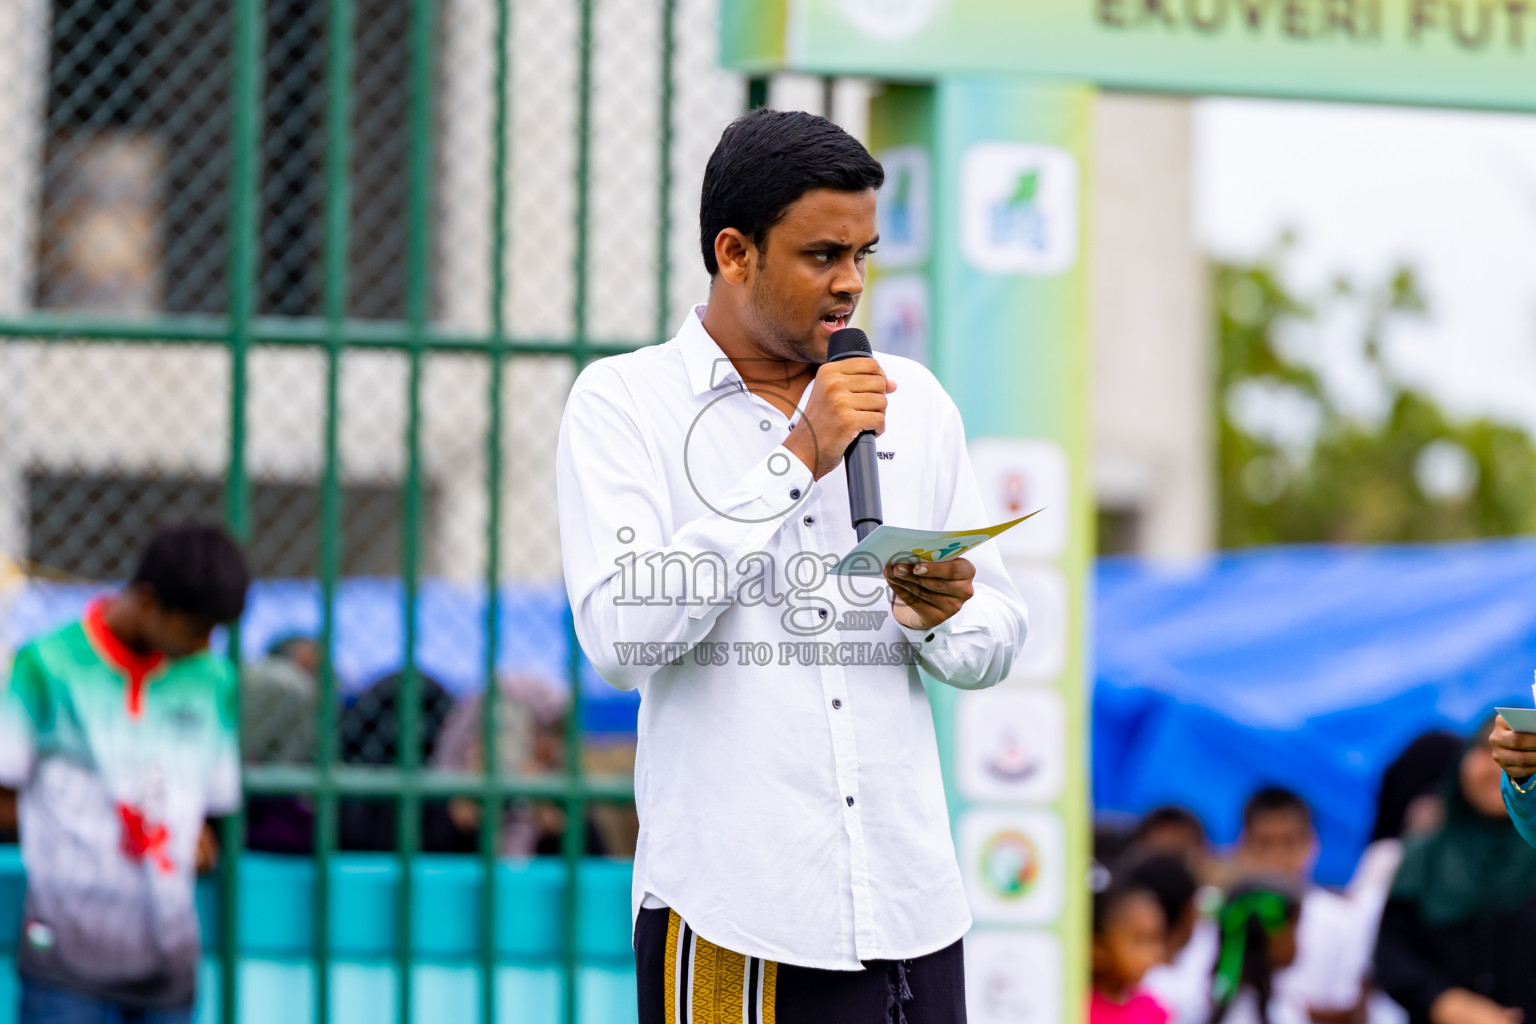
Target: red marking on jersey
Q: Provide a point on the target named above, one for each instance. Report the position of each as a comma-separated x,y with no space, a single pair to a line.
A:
135,666
144,839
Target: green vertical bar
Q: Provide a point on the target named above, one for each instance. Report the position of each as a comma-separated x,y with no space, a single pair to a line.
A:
828,96
417,290
575,811
245,130
575,842
583,171
338,204
757,92
490,812
664,197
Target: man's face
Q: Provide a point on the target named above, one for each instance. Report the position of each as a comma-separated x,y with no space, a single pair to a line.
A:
1280,841
807,278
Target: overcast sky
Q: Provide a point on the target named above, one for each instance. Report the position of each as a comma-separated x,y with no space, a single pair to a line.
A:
1452,194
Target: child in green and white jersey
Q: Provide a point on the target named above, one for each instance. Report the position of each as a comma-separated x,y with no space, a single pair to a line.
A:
118,734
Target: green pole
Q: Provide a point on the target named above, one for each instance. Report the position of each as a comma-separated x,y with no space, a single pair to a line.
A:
281,332
757,92
338,201
408,703
245,129
491,808
574,845
664,194
575,807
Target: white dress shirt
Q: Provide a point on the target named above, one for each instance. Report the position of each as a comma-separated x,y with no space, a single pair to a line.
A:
792,810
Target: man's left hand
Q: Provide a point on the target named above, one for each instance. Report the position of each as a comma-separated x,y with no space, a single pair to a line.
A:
924,594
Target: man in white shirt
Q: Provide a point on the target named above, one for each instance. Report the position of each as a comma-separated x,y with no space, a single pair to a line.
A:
794,862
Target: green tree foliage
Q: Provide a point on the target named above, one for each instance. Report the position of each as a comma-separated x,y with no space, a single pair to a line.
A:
1414,474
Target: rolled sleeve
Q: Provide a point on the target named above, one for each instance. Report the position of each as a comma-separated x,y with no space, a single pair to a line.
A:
974,648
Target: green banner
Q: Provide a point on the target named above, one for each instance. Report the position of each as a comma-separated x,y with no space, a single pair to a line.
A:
981,274
1457,53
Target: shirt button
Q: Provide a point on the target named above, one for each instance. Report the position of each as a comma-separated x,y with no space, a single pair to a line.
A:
850,801
809,520
823,612
794,494
836,703
929,637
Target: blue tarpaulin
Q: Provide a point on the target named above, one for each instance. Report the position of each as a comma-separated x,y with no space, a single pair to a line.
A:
370,639
1307,667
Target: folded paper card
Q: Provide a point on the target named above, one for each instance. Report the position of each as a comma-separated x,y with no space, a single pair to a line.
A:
887,545
1519,719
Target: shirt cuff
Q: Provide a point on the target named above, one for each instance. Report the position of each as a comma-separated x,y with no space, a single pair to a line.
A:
1522,790
928,639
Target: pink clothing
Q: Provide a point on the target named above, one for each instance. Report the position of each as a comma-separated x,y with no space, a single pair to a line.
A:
1141,1008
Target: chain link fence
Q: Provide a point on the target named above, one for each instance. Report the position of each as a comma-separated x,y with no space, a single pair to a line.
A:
326,271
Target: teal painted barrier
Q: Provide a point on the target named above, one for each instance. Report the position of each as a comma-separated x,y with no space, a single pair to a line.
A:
277,927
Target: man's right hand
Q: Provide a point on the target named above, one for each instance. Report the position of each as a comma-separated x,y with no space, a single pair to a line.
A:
1515,752
848,399
1462,1006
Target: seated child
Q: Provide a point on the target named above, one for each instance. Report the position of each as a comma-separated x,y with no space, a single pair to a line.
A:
1129,938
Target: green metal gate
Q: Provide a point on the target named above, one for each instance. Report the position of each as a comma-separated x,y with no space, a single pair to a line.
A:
291,225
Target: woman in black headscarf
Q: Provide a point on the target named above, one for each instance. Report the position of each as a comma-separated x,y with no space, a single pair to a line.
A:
1453,946
1416,774
1408,804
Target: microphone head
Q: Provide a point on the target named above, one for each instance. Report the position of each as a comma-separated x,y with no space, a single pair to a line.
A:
848,343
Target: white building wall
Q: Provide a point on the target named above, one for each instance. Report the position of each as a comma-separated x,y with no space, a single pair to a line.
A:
23,68
1152,338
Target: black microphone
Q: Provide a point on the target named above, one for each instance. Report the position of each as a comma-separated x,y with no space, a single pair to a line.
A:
859,459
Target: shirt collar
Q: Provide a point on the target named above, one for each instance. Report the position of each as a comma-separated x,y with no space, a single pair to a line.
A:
116,653
709,368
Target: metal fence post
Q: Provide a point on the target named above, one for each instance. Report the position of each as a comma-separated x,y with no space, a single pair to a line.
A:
491,808
338,204
244,185
664,171
418,291
575,806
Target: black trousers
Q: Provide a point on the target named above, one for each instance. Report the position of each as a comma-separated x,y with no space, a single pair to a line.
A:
684,979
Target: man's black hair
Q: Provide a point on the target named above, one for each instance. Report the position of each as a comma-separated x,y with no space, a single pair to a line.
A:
1165,875
767,160
198,569
1274,799
1168,816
